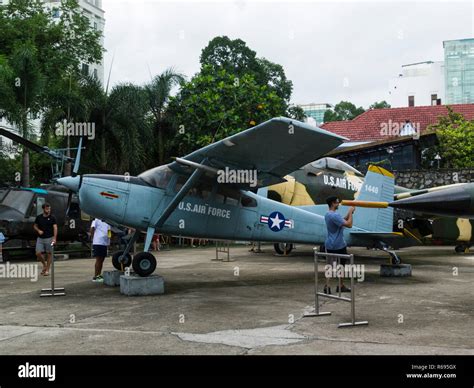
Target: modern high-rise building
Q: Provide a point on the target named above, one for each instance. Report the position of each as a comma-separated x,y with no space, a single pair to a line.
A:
459,70
433,83
315,112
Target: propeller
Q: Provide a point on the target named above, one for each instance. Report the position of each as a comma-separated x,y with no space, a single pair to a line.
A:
77,163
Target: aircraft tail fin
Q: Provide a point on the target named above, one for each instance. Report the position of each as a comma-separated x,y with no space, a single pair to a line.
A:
378,186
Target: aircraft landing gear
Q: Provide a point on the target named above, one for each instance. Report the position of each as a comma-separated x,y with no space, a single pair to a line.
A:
121,261
394,259
283,248
462,248
144,264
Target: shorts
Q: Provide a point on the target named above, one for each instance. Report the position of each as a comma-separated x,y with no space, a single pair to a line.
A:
99,251
44,245
331,260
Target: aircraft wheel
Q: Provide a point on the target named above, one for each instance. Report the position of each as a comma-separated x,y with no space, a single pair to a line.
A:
461,248
144,264
283,248
120,265
394,259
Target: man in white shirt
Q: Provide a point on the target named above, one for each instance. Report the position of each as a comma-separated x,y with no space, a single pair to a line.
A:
100,235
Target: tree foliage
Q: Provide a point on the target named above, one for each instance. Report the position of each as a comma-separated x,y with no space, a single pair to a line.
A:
456,139
380,105
344,110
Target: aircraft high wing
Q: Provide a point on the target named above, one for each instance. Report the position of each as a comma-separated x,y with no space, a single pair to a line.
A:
274,149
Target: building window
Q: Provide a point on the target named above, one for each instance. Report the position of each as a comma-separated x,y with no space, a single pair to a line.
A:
95,26
411,100
434,99
55,12
95,73
85,69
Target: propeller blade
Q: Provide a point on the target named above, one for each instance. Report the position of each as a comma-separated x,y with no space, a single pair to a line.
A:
369,204
68,207
32,146
78,158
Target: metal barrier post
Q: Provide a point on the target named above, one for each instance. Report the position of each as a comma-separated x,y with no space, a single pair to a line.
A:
52,291
353,319
316,313
318,294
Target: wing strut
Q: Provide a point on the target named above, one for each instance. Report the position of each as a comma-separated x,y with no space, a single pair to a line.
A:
157,223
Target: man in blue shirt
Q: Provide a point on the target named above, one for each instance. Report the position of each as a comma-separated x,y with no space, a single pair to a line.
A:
335,239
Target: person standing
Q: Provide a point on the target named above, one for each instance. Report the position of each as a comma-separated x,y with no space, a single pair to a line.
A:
335,242
46,227
100,235
2,240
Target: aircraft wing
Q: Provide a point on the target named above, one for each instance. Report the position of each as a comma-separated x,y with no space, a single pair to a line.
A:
274,149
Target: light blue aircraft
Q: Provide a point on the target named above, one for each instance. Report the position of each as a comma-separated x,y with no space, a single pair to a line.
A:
201,195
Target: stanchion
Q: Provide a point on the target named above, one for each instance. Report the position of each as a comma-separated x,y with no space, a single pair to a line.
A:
317,294
52,291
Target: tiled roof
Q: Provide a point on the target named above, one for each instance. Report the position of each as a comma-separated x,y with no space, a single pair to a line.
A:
368,126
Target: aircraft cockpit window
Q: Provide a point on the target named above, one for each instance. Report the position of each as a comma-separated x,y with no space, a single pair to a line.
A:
19,200
158,177
335,164
248,202
232,197
38,206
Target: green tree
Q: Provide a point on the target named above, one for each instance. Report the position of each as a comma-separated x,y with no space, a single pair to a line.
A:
233,56
344,110
380,105
456,139
214,105
158,93
37,51
238,59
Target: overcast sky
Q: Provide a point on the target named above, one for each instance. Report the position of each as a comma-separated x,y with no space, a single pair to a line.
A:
331,51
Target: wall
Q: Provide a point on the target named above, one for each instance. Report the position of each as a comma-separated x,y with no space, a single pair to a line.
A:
420,179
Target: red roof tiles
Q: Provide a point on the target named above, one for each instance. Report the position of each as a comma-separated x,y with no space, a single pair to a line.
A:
368,126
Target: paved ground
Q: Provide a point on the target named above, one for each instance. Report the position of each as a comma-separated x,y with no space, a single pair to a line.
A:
207,309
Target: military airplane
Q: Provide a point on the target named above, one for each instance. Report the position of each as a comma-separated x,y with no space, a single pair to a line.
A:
438,224
188,196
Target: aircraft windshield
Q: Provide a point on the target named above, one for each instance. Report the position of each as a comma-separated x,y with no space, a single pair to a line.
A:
335,164
157,177
19,200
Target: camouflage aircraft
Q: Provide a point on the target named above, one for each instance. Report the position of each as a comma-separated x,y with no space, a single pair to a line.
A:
314,182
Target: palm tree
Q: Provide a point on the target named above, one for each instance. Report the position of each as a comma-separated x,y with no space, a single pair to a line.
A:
21,90
158,93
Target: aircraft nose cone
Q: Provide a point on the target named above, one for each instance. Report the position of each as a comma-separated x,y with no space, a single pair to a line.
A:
71,182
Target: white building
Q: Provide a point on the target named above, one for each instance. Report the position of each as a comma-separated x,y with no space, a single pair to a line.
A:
419,84
94,12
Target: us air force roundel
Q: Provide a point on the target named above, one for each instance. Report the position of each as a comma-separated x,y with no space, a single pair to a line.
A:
276,221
